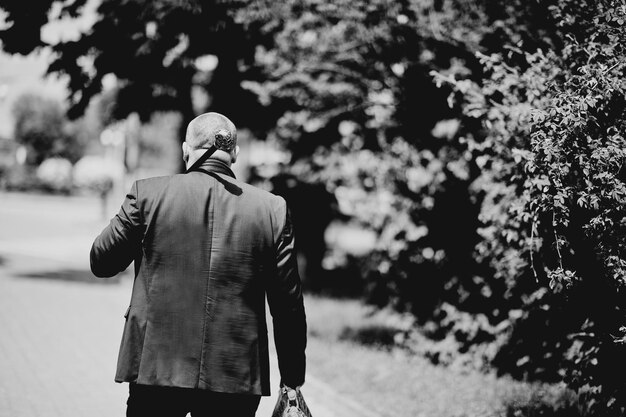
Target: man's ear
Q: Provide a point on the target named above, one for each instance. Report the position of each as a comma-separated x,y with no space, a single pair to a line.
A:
234,154
185,152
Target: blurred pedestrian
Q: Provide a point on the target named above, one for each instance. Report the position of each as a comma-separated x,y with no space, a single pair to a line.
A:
207,249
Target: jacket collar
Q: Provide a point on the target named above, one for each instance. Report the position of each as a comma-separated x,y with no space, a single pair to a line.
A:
217,166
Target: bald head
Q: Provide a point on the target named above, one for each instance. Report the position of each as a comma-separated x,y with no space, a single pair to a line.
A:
207,130
204,129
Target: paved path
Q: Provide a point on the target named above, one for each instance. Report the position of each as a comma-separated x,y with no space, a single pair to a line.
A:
60,327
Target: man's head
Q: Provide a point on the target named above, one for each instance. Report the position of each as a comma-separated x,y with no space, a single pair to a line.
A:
207,130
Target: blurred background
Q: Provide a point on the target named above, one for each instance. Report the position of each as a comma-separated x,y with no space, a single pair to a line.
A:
453,167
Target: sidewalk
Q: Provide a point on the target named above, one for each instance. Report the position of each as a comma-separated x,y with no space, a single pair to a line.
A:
58,349
61,327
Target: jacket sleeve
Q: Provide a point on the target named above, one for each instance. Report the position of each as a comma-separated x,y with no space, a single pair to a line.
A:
284,296
115,248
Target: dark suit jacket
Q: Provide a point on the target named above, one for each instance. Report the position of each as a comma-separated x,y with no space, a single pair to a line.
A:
207,249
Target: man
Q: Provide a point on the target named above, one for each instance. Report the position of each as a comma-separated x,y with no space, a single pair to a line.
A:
207,249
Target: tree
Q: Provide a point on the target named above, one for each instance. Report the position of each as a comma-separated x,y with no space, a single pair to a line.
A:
152,48
360,113
41,126
347,83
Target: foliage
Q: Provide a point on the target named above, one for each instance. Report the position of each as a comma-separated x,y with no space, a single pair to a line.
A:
165,40
41,126
540,403
56,174
361,115
347,80
554,127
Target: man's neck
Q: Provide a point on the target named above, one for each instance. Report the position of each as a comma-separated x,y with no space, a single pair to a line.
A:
218,155
213,165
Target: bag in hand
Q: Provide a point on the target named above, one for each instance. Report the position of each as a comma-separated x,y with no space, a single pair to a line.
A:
291,404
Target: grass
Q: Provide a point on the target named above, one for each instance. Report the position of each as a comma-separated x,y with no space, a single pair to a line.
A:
392,382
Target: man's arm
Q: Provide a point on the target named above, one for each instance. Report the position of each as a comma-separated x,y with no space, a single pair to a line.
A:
284,296
115,248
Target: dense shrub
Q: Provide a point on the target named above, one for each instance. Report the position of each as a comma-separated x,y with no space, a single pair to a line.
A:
553,155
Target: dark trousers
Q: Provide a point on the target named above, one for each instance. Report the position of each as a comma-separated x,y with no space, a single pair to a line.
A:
153,401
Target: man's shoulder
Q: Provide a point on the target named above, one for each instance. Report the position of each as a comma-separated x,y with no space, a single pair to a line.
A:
157,183
153,182
275,203
257,191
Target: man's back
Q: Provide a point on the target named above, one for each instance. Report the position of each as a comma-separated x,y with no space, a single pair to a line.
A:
206,249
